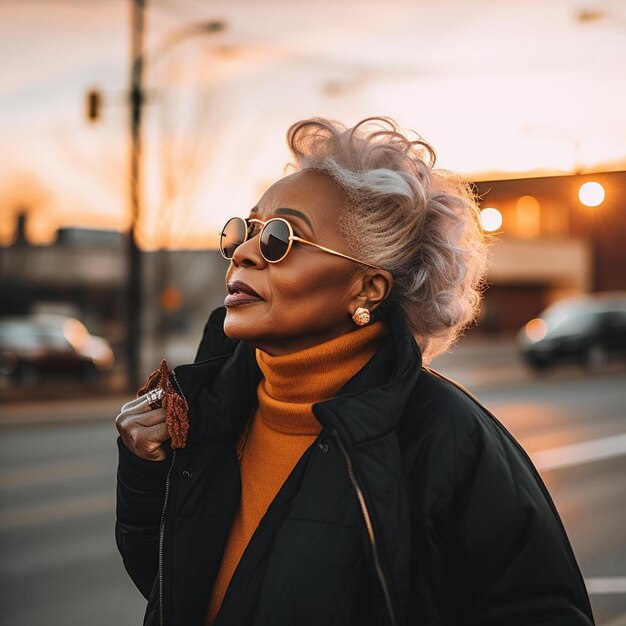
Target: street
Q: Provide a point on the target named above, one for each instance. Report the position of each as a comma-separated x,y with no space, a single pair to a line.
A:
60,566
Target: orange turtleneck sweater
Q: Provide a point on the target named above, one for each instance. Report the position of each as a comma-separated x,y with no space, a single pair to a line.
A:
283,427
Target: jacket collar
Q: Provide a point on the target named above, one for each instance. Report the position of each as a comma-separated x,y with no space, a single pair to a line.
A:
221,390
371,404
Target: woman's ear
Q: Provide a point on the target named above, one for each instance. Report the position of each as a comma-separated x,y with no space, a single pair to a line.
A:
374,288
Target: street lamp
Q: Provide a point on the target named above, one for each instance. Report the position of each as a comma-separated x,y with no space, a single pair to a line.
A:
591,194
490,219
134,300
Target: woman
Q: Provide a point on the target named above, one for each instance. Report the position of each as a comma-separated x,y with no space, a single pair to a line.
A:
309,468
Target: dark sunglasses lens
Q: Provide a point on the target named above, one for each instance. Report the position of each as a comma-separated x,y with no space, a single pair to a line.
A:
232,236
275,240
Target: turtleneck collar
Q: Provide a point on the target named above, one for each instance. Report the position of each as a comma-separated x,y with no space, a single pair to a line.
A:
291,383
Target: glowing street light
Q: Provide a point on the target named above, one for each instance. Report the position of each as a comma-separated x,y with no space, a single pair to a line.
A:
491,219
591,194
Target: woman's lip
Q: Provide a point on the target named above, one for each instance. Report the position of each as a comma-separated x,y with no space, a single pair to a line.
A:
238,286
236,299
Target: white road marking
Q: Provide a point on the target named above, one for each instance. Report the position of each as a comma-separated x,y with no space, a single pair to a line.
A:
579,453
612,584
620,620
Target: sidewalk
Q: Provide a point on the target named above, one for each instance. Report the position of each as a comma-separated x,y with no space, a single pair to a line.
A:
477,363
62,411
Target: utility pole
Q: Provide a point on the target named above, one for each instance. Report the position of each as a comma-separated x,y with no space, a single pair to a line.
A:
134,296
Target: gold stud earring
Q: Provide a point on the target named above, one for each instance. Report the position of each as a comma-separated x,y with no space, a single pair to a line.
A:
361,316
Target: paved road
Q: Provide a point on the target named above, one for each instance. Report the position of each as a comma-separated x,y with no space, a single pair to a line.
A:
575,432
60,567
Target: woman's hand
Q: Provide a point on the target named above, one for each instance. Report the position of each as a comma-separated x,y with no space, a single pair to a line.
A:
143,430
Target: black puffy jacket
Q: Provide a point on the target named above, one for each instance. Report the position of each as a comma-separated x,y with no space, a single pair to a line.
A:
414,506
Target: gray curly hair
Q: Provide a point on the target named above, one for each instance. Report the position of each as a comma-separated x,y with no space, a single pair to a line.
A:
421,224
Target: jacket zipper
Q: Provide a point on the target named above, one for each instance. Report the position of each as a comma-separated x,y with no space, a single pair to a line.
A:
370,528
162,525
161,537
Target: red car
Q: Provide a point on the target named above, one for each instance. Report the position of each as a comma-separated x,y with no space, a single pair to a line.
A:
32,347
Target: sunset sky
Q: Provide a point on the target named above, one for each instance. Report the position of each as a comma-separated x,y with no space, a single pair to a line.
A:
498,88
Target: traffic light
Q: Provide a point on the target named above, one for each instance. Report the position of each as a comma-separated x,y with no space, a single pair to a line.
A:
93,105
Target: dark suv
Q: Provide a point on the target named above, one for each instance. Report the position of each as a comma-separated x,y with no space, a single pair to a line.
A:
589,330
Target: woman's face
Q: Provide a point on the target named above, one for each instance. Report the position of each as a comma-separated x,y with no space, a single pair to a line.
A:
308,297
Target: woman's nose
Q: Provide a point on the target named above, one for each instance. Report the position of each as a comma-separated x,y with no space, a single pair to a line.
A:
248,254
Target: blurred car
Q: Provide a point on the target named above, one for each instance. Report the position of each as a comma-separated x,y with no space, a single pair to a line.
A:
589,330
32,347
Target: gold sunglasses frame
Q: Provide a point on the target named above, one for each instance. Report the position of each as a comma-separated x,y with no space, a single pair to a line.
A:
292,238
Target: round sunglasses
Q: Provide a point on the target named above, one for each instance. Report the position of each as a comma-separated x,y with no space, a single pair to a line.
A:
275,239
